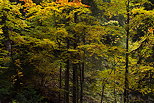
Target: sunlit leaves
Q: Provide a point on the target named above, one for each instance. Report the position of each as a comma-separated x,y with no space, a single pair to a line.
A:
137,44
13,15
142,11
28,3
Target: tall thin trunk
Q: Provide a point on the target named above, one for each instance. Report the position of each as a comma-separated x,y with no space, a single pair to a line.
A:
127,55
67,77
78,93
60,82
81,81
74,83
60,75
75,66
115,100
102,95
75,74
82,74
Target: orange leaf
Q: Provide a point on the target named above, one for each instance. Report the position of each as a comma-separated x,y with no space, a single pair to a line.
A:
150,30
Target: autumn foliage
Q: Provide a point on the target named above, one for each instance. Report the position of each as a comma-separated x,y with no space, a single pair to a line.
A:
66,1
63,51
73,3
28,3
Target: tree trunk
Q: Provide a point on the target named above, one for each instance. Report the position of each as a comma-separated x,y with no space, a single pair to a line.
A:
81,81
82,74
67,77
60,82
78,93
75,67
127,55
75,74
102,95
74,83
115,99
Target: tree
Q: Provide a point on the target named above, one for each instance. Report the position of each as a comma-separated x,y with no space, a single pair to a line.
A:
62,51
11,24
131,31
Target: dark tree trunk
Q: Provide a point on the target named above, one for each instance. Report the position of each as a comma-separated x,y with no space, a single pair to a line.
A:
127,55
74,83
60,82
75,67
82,73
78,92
81,81
115,99
75,74
67,77
102,95
67,81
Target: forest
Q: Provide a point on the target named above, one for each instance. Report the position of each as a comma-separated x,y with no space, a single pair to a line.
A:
76,51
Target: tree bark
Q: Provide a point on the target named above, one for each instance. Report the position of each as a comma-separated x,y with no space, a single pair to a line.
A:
75,74
115,99
60,82
81,81
82,74
75,66
67,77
102,95
126,84
74,83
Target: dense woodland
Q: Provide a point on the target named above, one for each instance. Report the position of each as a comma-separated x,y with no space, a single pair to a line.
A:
76,51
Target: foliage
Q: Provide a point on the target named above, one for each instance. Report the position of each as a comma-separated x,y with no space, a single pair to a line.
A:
28,96
38,38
